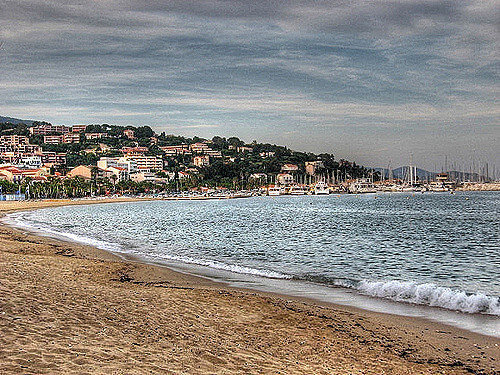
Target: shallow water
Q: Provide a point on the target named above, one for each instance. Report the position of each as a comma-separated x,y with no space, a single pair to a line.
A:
424,249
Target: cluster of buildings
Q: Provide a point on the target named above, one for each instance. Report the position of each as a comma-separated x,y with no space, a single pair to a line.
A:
199,148
23,159
136,163
16,149
289,174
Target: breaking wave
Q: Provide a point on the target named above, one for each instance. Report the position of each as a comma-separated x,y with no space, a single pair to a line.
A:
227,267
431,295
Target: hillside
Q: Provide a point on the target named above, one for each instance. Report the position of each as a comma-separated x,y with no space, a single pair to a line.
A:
16,121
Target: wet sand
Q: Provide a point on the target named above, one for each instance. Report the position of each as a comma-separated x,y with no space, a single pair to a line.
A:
68,308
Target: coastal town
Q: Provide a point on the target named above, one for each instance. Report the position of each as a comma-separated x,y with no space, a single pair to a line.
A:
41,160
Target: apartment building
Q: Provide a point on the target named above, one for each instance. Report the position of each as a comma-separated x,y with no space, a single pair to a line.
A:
71,138
52,139
53,158
29,149
146,163
96,135
48,129
134,150
199,147
267,154
243,149
31,161
107,162
143,176
120,173
13,153
78,128
64,138
13,140
129,133
289,168
176,150
213,153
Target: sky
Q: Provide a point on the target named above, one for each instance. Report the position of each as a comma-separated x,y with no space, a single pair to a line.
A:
377,82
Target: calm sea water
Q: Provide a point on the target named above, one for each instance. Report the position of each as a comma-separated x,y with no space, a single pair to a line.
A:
425,249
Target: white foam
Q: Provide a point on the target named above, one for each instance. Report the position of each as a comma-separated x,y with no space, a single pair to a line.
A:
431,295
18,220
227,267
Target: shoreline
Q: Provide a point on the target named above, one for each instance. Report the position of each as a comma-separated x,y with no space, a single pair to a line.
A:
406,344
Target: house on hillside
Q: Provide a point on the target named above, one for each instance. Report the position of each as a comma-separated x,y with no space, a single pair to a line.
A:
289,168
129,133
201,161
84,171
313,166
284,179
17,175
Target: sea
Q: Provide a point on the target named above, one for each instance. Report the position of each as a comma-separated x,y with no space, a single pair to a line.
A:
434,255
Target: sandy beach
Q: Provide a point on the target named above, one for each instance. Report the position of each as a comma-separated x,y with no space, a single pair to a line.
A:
68,308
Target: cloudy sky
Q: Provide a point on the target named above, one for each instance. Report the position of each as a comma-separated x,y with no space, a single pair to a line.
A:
370,81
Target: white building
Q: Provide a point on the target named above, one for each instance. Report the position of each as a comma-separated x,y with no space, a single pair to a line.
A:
53,139
96,135
199,147
120,173
258,176
146,163
243,149
123,162
143,176
14,140
71,138
31,162
289,168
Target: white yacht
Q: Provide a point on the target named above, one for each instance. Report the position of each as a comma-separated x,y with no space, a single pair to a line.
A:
298,190
275,191
321,188
362,185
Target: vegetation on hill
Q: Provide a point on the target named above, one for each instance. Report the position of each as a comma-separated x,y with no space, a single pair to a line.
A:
232,170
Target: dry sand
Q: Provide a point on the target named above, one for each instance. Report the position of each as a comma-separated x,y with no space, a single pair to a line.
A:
67,308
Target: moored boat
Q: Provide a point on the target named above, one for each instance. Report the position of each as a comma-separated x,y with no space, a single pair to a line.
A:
321,188
275,191
298,190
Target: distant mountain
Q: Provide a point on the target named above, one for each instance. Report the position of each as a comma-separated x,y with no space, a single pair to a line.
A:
422,174
402,172
15,120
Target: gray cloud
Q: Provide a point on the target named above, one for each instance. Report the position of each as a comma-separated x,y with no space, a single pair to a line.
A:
307,69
